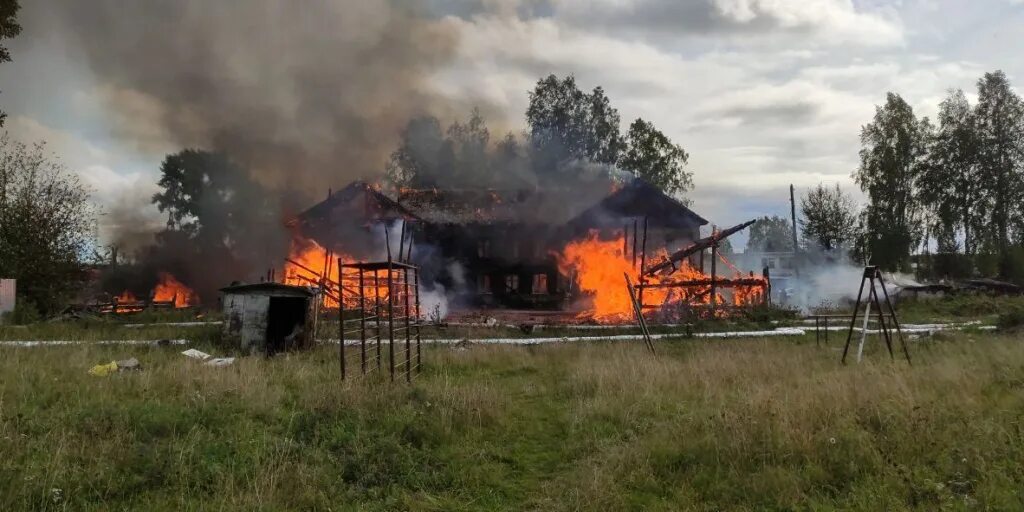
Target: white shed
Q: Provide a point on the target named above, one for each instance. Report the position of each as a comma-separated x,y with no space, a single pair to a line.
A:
268,317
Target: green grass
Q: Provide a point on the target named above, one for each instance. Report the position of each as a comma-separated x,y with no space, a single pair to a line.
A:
958,308
736,425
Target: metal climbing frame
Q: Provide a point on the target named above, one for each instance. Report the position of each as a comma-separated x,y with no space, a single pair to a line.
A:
380,312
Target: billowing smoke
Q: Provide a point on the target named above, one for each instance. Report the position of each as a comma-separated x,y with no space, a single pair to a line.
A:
302,96
307,94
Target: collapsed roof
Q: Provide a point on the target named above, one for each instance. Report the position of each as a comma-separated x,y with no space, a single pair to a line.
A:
587,205
359,201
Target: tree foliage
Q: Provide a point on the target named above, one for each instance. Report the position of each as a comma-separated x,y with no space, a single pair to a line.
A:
569,131
205,194
828,218
9,28
1000,130
771,234
213,201
221,224
892,157
461,156
47,226
951,189
568,124
653,157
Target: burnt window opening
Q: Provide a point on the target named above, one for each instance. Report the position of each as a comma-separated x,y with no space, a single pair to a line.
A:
483,284
483,248
540,284
512,283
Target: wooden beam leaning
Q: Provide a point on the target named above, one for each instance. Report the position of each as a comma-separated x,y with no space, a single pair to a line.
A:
637,310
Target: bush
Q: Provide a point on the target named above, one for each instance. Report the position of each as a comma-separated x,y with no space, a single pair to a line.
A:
1012,319
25,312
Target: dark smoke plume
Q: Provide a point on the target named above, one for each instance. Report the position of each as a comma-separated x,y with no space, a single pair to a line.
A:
302,95
306,94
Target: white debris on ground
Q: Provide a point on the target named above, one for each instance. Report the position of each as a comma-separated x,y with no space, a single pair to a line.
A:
781,331
209,360
54,343
173,324
196,354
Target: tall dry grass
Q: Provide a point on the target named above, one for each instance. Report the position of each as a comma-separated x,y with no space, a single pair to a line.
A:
749,424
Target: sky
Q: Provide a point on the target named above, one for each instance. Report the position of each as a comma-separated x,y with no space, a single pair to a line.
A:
761,93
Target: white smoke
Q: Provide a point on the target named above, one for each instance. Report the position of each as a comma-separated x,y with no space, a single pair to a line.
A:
433,303
825,285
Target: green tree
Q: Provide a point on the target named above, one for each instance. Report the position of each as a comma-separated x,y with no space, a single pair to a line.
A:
828,218
470,158
221,224
415,162
567,124
8,28
771,234
655,158
460,156
212,200
47,226
892,155
950,186
1000,126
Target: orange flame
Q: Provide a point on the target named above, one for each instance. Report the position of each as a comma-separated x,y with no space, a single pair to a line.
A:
126,296
598,267
170,289
310,264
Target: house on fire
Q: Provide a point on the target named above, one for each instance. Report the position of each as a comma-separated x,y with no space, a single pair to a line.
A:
496,247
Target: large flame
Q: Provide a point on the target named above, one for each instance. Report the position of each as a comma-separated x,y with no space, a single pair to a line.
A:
598,267
170,289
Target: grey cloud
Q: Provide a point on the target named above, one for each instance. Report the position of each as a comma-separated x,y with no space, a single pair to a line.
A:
833,20
773,114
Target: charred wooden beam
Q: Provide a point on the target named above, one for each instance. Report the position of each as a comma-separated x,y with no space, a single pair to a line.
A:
699,245
719,283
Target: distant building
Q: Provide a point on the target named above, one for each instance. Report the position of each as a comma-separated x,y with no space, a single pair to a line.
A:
781,266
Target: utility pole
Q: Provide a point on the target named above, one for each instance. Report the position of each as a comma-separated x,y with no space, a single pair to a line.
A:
792,214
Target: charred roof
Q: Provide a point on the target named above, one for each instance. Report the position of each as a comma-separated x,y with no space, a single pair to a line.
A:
359,200
587,205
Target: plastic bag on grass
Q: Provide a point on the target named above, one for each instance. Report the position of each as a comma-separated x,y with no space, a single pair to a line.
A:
103,370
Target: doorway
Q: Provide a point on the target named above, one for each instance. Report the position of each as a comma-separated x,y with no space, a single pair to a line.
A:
286,323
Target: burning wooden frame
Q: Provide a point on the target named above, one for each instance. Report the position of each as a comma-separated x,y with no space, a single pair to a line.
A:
698,296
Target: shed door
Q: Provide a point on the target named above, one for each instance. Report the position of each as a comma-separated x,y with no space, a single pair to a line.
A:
286,323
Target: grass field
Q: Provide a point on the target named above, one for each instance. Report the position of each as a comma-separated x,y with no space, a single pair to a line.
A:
706,425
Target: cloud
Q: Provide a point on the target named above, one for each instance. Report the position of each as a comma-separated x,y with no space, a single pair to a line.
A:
123,197
827,21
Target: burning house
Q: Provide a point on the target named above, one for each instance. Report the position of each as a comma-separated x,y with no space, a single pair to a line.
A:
490,248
